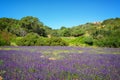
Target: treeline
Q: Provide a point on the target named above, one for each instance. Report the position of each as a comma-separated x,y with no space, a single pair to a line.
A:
30,30
23,26
103,34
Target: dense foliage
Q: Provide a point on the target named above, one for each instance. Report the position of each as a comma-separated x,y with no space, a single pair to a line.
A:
103,34
33,39
6,38
23,26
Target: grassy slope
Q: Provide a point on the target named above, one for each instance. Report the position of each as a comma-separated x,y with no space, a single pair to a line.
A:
73,41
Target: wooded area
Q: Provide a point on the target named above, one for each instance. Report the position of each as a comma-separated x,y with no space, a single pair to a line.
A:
30,31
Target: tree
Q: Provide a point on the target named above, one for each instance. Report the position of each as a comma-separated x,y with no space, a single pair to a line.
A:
32,24
65,32
77,31
7,23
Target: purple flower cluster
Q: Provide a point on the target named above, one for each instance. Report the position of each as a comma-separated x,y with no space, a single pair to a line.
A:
59,63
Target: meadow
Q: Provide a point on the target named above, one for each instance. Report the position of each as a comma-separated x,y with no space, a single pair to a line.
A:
59,63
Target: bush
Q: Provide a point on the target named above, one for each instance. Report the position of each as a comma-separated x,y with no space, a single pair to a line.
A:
33,39
29,40
42,41
5,38
88,40
77,41
108,42
56,41
3,42
82,41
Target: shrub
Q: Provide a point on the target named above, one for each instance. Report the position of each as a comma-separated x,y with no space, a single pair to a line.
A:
33,39
108,42
56,41
42,41
5,38
29,40
82,41
88,40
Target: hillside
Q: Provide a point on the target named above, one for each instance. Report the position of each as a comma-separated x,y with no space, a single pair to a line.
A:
103,34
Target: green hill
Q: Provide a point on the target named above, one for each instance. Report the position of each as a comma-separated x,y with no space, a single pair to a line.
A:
102,34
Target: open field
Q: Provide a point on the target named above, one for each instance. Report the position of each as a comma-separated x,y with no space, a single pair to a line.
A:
59,63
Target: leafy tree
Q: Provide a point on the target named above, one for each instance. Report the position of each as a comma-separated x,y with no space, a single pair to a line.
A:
47,29
32,24
63,27
55,33
77,31
64,32
7,23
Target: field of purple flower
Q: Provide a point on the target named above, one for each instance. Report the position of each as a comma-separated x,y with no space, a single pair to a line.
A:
59,63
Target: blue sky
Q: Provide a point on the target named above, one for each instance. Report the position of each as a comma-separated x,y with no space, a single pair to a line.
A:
57,13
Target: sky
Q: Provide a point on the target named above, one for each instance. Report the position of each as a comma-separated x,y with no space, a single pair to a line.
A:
57,13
